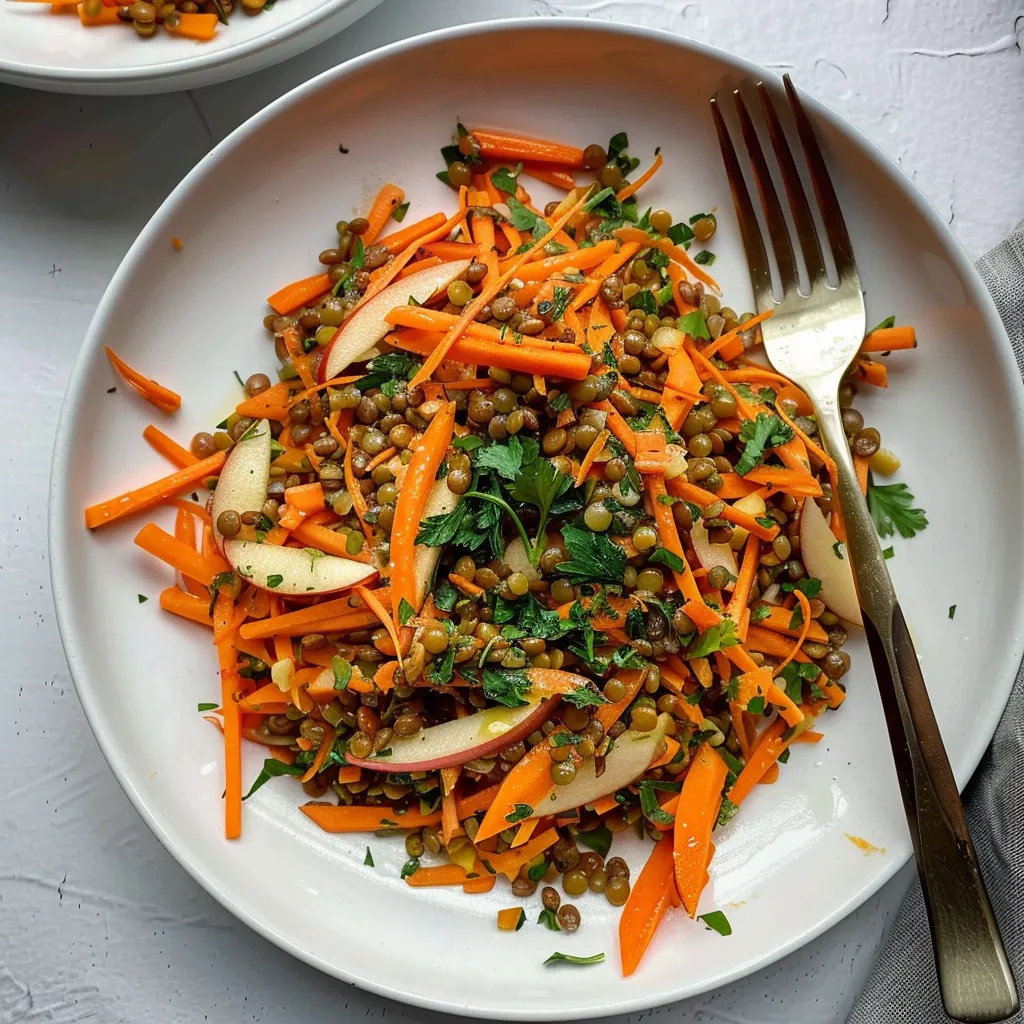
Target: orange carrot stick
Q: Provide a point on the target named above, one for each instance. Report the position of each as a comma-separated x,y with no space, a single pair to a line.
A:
681,488
765,754
357,818
890,339
359,505
778,620
182,557
334,616
168,448
651,456
443,874
314,536
299,293
592,453
496,145
551,175
652,894
398,240
669,534
527,783
163,398
371,601
198,26
696,813
321,755
272,404
633,187
412,498
188,606
143,498
862,463
873,373
745,579
232,740
388,198
610,265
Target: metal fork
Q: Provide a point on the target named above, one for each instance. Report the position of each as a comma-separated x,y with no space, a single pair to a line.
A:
813,339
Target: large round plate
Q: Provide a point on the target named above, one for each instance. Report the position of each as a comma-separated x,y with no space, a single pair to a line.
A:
54,52
786,868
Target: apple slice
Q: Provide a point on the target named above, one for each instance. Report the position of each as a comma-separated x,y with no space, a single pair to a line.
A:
709,555
517,559
818,552
632,753
366,326
461,740
242,486
293,571
440,501
753,504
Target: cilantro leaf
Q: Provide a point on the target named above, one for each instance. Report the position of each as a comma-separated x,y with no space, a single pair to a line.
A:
442,669
563,296
391,366
680,234
694,325
271,770
521,217
593,558
504,459
891,508
445,596
767,431
550,919
506,686
715,638
410,867
405,612
504,179
538,621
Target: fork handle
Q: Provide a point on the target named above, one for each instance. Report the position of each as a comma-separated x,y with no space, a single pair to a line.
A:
974,976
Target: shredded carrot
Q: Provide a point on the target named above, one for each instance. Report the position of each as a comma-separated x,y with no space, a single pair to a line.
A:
468,587
399,240
696,813
669,534
503,146
745,578
606,269
652,894
387,200
313,535
592,453
861,464
232,740
633,187
890,339
168,448
334,616
299,293
339,818
651,456
681,488
672,251
778,619
873,373
805,608
724,341
381,612
359,505
619,427
188,606
556,176
163,398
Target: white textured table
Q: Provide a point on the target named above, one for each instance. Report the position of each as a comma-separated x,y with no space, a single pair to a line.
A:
97,922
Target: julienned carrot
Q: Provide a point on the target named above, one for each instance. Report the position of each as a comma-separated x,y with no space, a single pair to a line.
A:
388,198
672,251
334,616
669,534
452,250
592,453
490,289
788,711
720,346
618,426
299,293
305,497
229,681
890,339
652,894
536,356
198,26
415,268
185,533
272,404
443,874
767,642
510,862
634,186
163,398
767,749
696,814
556,176
680,487
357,818
861,465
331,543
805,608
583,259
412,499
398,240
745,578
467,587
503,146
651,455
700,614
527,783
143,498
610,265
682,389
779,619
104,16
182,557
423,319
188,606
797,483
371,602
326,743
169,448
873,373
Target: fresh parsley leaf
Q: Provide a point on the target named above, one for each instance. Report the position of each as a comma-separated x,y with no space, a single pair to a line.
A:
952,610
891,508
445,596
271,770
521,217
506,686
568,958
442,669
808,587
405,612
681,234
342,672
391,366
541,485
550,919
468,443
535,873
716,921
593,558
410,867
837,549
520,812
560,401
439,530
213,707
626,657
694,325
644,300
666,557
598,839
794,675
704,258
538,621
652,810
562,298
504,459
715,638
584,697
767,431
756,705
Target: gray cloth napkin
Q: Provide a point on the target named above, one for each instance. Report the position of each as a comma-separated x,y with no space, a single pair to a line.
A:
902,988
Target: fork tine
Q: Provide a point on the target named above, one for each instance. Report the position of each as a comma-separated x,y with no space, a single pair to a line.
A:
757,256
828,202
805,230
776,220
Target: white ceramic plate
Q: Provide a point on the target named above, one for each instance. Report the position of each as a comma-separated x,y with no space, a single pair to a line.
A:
785,868
54,52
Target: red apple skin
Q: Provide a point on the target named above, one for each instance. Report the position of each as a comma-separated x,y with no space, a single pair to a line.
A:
519,732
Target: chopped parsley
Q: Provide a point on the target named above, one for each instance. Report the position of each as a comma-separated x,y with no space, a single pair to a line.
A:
952,610
368,859
142,598
213,707
504,459
891,508
593,558
406,612
520,812
666,557
550,919
274,580
597,839
809,587
767,431
694,325
410,867
715,638
704,258
273,768
716,921
342,672
506,686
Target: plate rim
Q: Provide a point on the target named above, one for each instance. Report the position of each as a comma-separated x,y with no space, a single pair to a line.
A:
33,75
155,228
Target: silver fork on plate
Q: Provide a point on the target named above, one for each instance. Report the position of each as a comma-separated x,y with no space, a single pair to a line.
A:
813,339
